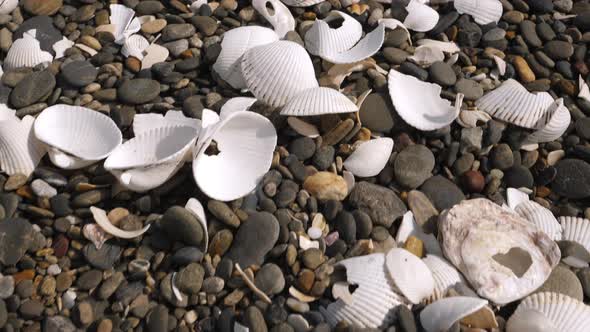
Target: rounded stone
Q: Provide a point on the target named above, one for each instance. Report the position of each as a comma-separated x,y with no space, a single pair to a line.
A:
181,225
138,91
573,178
562,280
413,166
442,73
270,279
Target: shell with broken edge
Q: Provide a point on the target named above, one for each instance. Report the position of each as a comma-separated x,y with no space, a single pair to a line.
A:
577,230
410,274
541,217
370,157
318,101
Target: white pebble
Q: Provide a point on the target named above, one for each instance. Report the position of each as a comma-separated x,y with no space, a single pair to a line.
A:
69,299
43,189
54,269
314,233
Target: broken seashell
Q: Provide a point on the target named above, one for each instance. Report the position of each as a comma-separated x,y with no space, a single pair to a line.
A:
26,52
340,292
370,157
135,46
305,243
482,11
246,142
301,3
301,296
584,91
349,179
446,47
501,64
195,207
277,72
61,47
145,122
420,17
89,50
318,101
100,216
63,128
20,151
154,54
432,112
233,46
514,197
151,158
410,275
125,22
96,234
338,72
503,256
557,120
541,217
469,119
564,312
303,128
445,276
175,289
365,48
577,230
321,39
554,156
426,55
281,18
484,318
236,104
442,314
7,6
409,227
109,28
529,320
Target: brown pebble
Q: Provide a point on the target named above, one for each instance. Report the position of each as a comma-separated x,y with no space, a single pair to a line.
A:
338,133
473,181
415,246
326,186
154,26
106,325
133,64
522,68
305,280
60,246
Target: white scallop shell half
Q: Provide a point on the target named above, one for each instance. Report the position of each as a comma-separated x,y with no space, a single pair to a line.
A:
445,276
277,72
420,17
370,157
281,18
409,227
530,320
154,54
482,11
433,112
236,104
541,217
577,230
301,3
26,52
125,22
151,158
61,47
233,46
135,46
321,39
148,121
566,313
77,136
584,90
318,101
514,197
20,151
197,209
442,314
365,48
426,55
246,142
558,118
7,6
410,274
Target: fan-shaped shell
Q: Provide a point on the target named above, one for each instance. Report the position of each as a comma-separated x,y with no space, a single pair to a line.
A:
577,230
154,54
365,48
558,119
442,314
566,313
431,113
420,17
410,275
233,46
426,55
445,276
7,6
20,151
148,121
246,142
541,217
482,11
318,101
514,197
530,320
281,19
370,157
301,3
125,22
77,135
236,104
26,52
61,47
135,46
322,40
278,71
584,90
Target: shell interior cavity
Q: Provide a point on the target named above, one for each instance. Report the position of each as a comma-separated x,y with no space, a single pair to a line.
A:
280,17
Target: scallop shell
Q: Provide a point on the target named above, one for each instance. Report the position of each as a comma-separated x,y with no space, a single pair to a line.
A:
281,19
233,46
370,157
442,314
125,22
246,142
236,104
514,197
530,320
446,47
426,55
482,11
20,151
372,301
154,54
511,102
135,46
420,17
322,40
558,119
26,52
151,158
318,101
365,48
566,313
445,276
409,227
303,128
541,217
61,47
7,6
432,112
410,274
577,230
278,71
301,3
148,121
584,91
78,136
197,209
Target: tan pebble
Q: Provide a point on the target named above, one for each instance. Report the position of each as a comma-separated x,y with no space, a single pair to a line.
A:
326,186
106,325
305,280
338,133
91,42
484,318
42,7
91,88
117,214
522,68
364,134
415,246
133,64
153,27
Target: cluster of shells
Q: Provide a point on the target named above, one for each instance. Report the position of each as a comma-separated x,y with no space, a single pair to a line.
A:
483,254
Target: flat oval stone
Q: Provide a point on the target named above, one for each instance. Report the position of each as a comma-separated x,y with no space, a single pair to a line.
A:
573,178
32,89
79,73
138,91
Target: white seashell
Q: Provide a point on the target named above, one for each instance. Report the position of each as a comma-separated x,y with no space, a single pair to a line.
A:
561,16
154,54
135,46
482,11
370,157
577,230
365,48
372,302
392,24
77,136
100,216
410,274
432,112
149,121
246,142
541,217
557,119
240,328
564,312
305,243
233,46
7,6
151,158
236,104
340,292
20,151
125,22
583,88
445,276
409,227
530,320
197,209
87,49
301,3
303,128
7,113
175,290
322,40
442,314
350,181
514,197
318,101
96,234
426,55
26,52
281,19
492,247
554,156
146,18
420,17
197,4
61,47
501,64
446,47
277,72
469,119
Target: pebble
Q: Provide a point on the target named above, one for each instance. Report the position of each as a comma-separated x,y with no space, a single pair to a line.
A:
31,309
177,31
376,113
43,189
181,225
442,192
224,213
395,55
204,24
17,234
6,286
153,27
89,280
190,278
584,276
138,91
573,178
525,72
501,157
58,324
326,186
413,166
302,147
254,320
250,246
518,176
213,285
380,203
103,258
79,73
157,319
149,7
42,7
442,73
270,279
558,49
470,88
562,280
529,33
32,89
